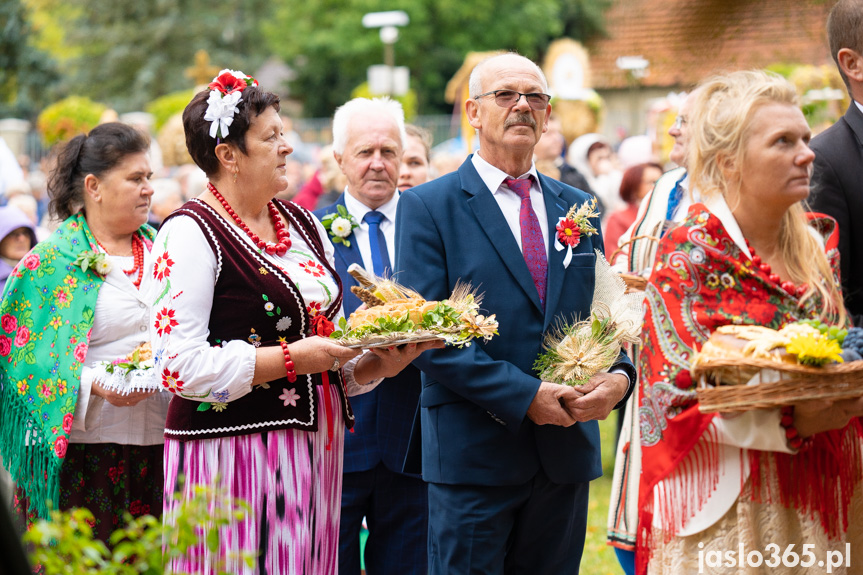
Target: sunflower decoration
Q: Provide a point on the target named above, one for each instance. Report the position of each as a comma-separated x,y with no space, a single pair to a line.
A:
815,350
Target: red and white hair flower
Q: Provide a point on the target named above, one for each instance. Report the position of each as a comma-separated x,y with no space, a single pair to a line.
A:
226,90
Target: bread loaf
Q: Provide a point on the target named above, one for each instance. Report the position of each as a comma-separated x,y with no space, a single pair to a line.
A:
745,341
414,308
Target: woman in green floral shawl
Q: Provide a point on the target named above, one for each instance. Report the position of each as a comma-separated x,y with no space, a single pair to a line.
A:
74,304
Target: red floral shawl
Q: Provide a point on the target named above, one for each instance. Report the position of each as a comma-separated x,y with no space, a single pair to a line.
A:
702,280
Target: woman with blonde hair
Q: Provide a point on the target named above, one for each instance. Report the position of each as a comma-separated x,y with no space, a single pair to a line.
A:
748,254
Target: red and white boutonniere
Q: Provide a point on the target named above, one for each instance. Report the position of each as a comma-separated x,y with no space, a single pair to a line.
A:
575,224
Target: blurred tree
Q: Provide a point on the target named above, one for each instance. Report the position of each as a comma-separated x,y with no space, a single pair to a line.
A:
27,74
583,19
330,50
131,52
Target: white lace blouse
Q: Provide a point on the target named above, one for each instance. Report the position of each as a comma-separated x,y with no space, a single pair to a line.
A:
121,322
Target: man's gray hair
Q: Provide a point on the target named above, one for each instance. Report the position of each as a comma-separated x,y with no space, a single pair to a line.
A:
364,106
475,83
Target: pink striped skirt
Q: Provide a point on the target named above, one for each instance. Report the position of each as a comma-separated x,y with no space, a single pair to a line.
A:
291,482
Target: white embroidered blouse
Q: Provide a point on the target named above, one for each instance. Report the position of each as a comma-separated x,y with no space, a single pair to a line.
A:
222,374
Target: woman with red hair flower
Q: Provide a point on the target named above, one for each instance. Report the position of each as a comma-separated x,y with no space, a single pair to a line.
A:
260,393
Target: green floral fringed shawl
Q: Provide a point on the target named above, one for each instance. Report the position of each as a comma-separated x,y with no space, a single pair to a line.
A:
45,320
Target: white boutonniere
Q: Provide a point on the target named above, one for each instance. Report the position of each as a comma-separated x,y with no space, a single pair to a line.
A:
340,225
571,227
94,260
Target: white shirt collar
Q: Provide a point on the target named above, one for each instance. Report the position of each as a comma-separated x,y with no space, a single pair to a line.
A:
358,209
719,208
859,106
493,177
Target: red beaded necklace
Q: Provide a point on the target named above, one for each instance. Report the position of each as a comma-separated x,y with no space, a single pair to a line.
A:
137,257
281,247
787,285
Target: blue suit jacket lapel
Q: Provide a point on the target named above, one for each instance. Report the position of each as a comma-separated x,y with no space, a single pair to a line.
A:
555,208
493,224
345,256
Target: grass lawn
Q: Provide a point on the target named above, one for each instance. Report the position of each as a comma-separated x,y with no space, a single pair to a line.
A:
599,558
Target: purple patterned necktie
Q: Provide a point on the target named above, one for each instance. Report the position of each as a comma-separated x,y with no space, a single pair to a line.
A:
532,242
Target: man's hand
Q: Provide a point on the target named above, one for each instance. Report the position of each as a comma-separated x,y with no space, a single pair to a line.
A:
598,396
547,407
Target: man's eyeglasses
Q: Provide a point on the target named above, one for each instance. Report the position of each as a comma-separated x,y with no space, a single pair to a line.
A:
679,121
509,98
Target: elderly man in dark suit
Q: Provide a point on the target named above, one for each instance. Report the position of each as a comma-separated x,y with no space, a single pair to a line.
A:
508,457
837,178
368,141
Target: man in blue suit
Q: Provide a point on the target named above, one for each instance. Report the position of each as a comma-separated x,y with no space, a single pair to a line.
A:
508,457
368,141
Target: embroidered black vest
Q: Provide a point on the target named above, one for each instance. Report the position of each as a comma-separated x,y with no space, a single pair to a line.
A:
245,283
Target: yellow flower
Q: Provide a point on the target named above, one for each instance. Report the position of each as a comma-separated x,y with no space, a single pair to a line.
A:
712,281
814,350
220,406
22,387
56,322
480,326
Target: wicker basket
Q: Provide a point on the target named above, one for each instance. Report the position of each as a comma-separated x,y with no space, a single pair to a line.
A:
633,282
796,383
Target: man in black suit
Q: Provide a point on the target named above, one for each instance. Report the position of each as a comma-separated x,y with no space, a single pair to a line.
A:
837,179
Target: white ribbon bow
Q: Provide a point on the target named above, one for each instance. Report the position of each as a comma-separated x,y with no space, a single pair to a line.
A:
220,111
559,246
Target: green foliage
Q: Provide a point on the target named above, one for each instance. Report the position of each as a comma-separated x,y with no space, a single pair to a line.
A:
408,101
433,45
546,361
441,316
583,20
133,52
27,74
784,69
598,557
67,118
165,107
343,327
341,234
65,544
130,53
129,365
